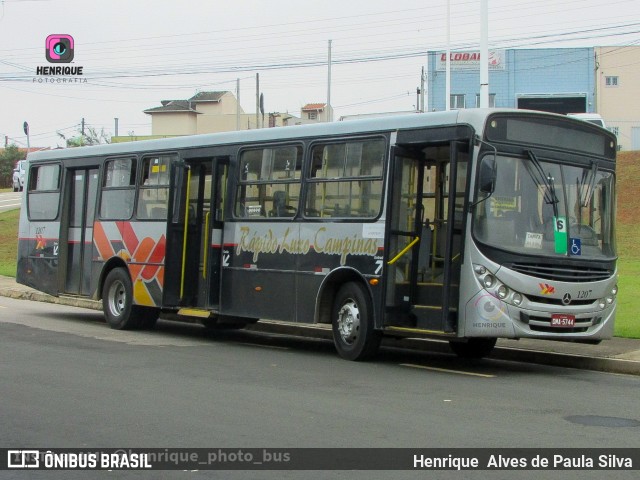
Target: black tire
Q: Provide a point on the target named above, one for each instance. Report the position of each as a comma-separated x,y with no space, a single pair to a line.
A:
474,347
352,323
117,301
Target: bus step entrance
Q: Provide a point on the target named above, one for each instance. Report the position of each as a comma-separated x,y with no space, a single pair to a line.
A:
427,306
428,294
428,317
194,312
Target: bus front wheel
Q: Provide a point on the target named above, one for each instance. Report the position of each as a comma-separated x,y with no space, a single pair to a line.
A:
474,347
352,323
117,300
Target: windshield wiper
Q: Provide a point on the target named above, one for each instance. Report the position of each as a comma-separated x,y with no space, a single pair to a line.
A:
591,182
546,181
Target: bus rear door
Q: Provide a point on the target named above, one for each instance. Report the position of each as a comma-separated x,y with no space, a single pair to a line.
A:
77,229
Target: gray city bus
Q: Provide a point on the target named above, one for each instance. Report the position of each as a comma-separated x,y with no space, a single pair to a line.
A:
466,225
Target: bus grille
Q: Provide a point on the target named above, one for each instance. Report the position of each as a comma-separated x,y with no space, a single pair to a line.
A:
562,274
558,301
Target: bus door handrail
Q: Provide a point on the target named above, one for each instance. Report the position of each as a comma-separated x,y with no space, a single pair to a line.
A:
184,236
403,251
206,244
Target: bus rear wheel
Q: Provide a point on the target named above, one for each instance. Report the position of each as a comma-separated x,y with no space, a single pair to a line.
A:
352,323
117,301
473,348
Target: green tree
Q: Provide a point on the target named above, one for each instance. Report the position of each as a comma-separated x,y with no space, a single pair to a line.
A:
91,137
8,159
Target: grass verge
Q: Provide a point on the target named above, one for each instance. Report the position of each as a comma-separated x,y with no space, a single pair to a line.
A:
9,242
627,316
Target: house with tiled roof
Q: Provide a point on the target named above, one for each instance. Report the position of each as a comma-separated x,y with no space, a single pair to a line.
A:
207,112
173,117
314,112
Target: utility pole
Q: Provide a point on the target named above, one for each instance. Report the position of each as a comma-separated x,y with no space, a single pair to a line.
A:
447,88
116,126
422,91
257,100
484,54
329,109
238,104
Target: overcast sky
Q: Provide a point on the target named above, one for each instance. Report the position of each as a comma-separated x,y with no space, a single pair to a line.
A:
135,53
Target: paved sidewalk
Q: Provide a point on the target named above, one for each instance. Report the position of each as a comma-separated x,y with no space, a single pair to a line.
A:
618,355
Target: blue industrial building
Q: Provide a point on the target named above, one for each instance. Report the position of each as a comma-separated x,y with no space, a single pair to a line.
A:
560,80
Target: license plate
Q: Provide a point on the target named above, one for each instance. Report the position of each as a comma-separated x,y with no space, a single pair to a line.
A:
562,320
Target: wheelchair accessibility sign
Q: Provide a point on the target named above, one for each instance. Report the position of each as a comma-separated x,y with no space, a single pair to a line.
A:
576,246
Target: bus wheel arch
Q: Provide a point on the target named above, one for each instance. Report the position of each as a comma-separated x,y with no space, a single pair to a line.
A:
329,288
345,301
140,316
112,263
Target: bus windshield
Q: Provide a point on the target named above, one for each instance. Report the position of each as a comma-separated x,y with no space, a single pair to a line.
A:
534,200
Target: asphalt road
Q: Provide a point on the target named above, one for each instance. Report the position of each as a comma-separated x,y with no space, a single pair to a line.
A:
10,201
67,380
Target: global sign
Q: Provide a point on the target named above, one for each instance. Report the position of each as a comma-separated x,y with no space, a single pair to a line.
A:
470,60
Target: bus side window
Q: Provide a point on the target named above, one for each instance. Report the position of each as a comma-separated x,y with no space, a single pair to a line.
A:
118,189
269,183
346,179
154,189
44,192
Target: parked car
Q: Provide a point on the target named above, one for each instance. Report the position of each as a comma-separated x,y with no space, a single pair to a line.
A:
18,175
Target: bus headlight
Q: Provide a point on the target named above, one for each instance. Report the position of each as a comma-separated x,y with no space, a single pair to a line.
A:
480,269
488,281
602,304
614,291
517,299
609,299
502,292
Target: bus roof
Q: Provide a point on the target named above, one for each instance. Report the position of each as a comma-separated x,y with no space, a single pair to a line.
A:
474,117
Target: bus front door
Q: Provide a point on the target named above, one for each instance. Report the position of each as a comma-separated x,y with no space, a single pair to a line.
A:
425,241
194,234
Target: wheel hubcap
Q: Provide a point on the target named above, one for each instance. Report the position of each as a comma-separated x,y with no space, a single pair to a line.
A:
117,298
349,321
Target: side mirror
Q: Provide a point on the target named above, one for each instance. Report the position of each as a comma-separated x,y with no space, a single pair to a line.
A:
488,173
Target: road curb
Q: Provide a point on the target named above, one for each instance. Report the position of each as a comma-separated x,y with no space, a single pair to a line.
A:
567,360
600,364
43,297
